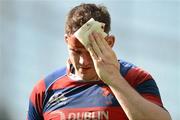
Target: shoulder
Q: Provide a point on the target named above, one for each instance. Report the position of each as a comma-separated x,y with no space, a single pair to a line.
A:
38,94
141,81
43,84
51,78
133,74
125,67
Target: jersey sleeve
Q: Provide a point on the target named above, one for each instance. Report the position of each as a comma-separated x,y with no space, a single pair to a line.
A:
35,110
144,84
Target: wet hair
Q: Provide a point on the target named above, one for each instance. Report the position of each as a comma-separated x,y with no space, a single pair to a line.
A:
82,13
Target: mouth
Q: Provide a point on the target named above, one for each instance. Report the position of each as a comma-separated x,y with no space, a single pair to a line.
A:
84,69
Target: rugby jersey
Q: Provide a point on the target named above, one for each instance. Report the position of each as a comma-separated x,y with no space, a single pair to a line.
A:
58,97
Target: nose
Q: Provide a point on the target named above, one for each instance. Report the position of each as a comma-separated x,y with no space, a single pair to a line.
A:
84,59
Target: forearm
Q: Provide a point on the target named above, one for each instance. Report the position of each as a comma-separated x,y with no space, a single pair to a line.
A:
133,104
107,68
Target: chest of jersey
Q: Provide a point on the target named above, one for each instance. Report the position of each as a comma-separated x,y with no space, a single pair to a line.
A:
82,102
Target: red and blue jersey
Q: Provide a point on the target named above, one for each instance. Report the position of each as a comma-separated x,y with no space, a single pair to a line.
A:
58,97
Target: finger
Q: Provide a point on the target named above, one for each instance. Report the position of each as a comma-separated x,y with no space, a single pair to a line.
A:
95,46
98,39
105,43
92,53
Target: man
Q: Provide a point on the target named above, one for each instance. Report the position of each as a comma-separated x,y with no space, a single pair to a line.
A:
95,85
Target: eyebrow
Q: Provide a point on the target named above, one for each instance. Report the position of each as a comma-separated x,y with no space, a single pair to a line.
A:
75,49
72,49
78,49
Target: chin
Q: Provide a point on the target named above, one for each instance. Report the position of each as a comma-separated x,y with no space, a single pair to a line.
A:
89,77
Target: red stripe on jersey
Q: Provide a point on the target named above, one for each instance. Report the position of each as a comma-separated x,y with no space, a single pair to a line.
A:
106,90
65,82
37,95
95,113
153,98
136,76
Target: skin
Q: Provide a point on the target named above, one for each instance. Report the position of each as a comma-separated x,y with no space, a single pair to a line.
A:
98,61
81,59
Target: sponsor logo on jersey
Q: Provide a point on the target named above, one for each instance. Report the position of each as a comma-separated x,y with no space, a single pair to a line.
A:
57,98
95,115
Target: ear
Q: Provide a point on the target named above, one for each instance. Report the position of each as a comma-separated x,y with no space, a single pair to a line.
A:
110,40
66,38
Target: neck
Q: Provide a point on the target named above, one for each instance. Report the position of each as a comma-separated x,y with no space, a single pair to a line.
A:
84,78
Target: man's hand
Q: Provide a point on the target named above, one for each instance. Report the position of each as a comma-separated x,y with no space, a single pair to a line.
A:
107,68
104,58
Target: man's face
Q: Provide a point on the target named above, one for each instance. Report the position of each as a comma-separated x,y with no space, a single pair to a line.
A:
80,58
